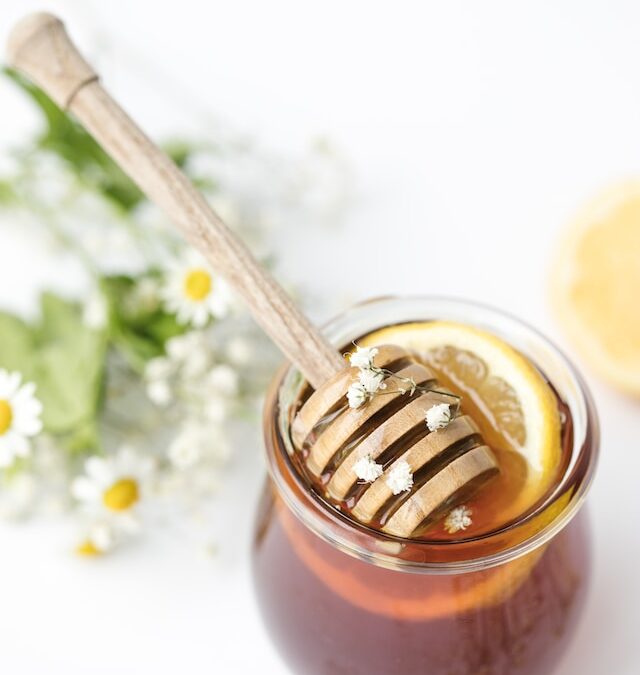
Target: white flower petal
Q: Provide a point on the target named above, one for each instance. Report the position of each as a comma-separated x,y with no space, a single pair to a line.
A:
400,478
371,380
158,369
458,519
99,469
159,392
9,384
367,469
363,357
357,395
438,416
86,490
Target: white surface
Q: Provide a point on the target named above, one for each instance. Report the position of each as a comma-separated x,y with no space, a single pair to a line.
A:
475,130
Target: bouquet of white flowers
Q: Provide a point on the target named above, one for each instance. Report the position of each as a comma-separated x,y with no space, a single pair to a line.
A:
127,396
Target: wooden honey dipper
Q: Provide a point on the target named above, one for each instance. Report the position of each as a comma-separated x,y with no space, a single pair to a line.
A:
452,462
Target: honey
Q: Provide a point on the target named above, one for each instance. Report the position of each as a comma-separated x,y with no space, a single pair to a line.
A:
487,401
501,597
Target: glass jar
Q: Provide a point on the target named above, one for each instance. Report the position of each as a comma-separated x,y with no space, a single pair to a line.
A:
338,597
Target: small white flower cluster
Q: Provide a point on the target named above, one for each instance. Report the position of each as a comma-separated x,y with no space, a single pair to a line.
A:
367,469
458,519
399,479
438,416
187,409
370,378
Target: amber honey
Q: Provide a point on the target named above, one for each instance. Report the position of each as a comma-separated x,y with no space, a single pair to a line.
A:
500,598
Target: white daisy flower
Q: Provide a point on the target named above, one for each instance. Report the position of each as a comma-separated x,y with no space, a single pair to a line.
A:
357,395
400,478
100,539
371,380
363,357
20,413
367,469
104,534
194,293
438,416
113,484
458,519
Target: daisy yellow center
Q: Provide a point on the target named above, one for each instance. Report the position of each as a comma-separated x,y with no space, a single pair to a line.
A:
197,284
122,495
6,416
88,548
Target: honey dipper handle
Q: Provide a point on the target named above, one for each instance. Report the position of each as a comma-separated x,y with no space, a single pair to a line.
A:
40,48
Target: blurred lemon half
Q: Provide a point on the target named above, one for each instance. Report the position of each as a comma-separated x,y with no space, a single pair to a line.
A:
595,285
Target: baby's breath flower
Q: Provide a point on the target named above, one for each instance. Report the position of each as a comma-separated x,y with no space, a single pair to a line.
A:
438,416
159,392
458,519
20,413
239,351
157,373
217,408
223,379
191,353
400,478
357,395
185,450
371,380
363,357
367,469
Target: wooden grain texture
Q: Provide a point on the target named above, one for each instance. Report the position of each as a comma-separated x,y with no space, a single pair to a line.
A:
349,423
470,469
417,456
328,396
408,419
40,48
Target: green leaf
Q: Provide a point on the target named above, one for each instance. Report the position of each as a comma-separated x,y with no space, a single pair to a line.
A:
69,366
17,344
7,193
64,137
138,334
66,360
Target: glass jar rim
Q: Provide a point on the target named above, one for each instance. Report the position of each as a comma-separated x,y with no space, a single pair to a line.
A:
444,557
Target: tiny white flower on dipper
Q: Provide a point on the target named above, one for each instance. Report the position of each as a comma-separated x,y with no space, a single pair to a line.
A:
372,380
438,416
367,470
363,357
458,519
400,478
357,395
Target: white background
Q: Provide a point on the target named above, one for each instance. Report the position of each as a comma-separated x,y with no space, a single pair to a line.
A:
475,130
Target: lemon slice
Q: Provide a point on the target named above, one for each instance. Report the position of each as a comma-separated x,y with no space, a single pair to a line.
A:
595,282
514,406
